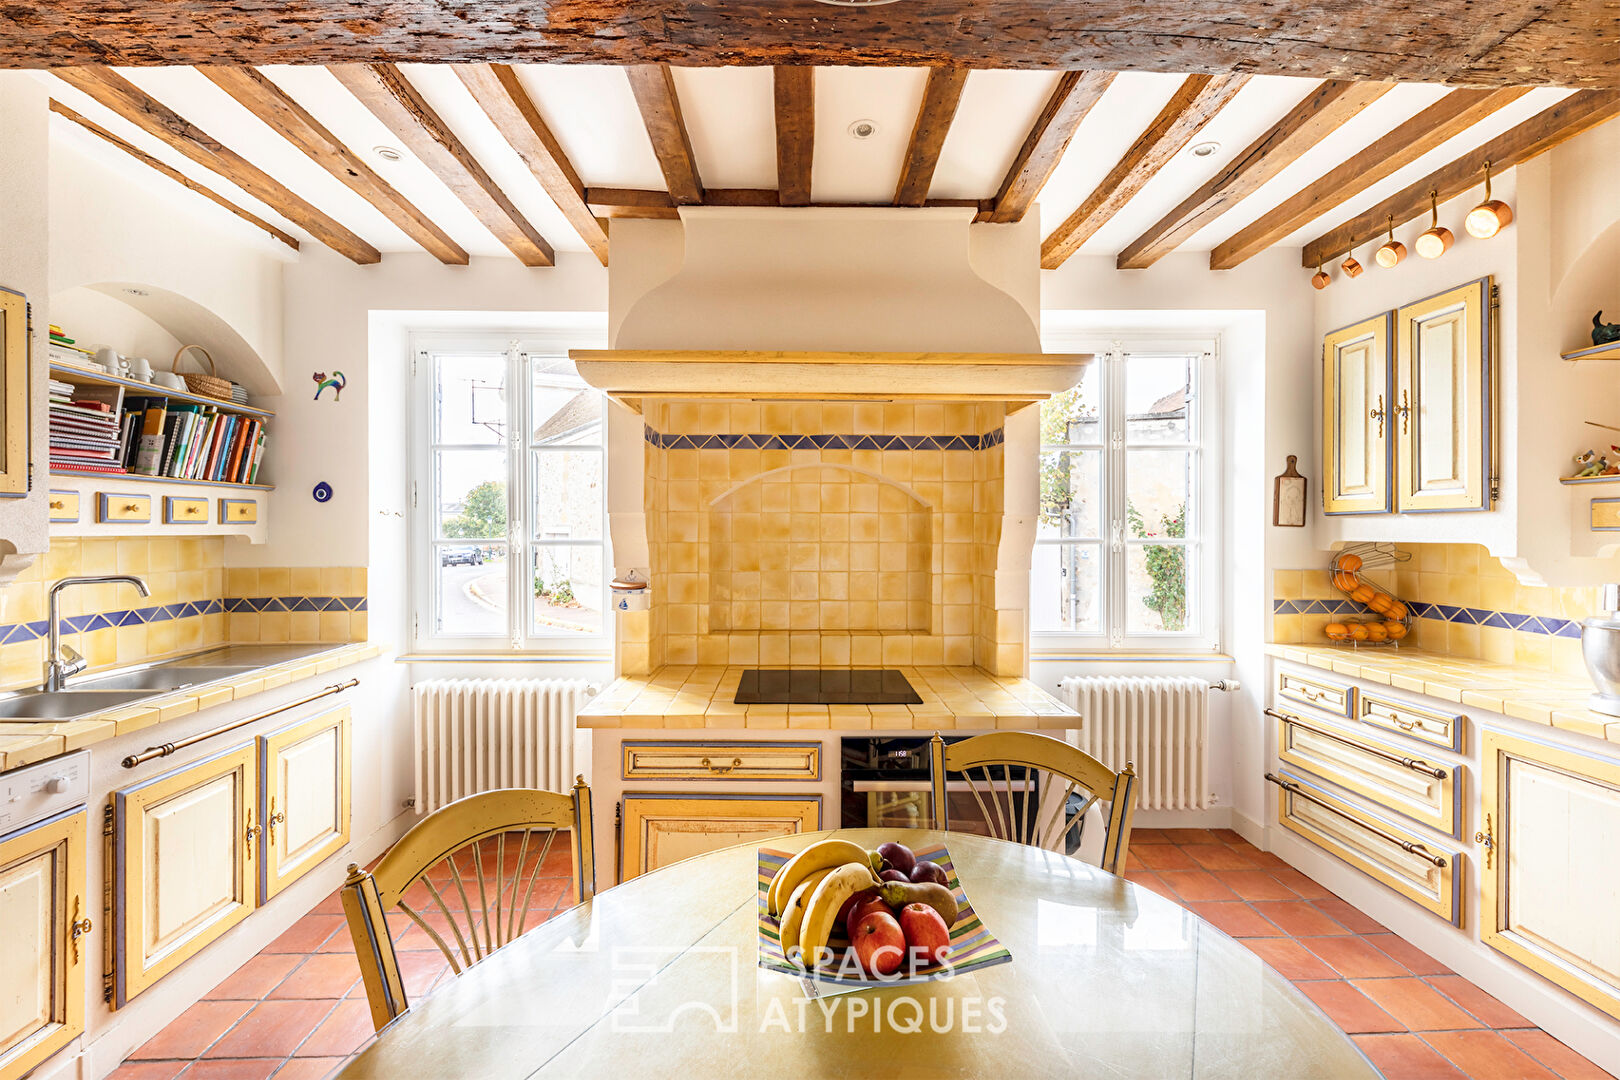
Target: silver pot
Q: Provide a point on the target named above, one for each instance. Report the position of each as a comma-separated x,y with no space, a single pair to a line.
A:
1600,647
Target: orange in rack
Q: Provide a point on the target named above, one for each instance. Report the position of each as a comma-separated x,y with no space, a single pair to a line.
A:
1396,630
1358,631
1362,594
1345,583
1350,563
1336,631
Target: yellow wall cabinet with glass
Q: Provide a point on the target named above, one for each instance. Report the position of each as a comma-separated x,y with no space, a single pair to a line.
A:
1549,887
1408,408
45,914
659,829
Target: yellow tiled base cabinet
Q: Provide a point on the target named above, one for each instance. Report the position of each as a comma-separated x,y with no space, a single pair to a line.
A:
658,829
45,914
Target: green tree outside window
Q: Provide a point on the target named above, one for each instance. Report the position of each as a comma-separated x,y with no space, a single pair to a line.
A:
1166,566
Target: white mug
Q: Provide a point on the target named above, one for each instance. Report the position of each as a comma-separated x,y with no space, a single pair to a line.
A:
141,368
109,359
169,379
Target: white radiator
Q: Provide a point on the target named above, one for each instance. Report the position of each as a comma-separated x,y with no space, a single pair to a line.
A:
1161,725
477,735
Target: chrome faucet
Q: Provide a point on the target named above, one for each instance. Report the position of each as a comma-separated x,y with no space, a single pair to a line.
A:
62,662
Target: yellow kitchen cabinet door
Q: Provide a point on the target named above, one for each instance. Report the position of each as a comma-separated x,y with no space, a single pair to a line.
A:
304,793
14,352
45,914
1356,414
660,829
1549,883
1443,376
184,847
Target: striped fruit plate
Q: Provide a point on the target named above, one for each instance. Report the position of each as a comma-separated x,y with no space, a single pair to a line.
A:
973,946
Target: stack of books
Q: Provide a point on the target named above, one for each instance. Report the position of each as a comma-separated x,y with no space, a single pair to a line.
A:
85,433
65,350
191,441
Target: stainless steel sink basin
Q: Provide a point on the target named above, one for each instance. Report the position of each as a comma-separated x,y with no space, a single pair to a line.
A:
67,704
162,677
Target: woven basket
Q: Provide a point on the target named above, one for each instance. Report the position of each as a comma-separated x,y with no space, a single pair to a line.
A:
209,385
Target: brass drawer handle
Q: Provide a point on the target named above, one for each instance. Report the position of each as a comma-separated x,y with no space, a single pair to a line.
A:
132,508
721,770
1407,846
1415,764
58,504
1405,725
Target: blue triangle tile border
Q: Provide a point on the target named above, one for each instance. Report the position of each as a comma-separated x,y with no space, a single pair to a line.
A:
1546,625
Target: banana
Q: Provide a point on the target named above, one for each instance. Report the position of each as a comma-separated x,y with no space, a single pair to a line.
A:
821,911
793,913
818,856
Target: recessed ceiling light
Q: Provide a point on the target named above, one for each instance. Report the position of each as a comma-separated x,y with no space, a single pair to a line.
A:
863,129
1204,149
387,153
136,292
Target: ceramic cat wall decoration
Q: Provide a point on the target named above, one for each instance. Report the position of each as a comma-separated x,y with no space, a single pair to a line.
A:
1602,332
337,382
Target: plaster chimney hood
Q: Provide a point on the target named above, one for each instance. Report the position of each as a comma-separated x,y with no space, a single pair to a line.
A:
631,375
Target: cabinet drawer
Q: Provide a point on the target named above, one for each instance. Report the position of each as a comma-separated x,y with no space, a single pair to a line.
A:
182,511
238,512
659,829
1326,696
64,506
120,508
1391,854
1413,721
722,760
1427,792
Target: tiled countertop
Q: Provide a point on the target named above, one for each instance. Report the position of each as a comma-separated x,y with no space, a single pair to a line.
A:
24,742
1540,697
954,698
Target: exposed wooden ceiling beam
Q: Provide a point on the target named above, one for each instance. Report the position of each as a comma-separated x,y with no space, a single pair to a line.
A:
1323,110
1543,131
1461,42
293,122
1451,115
654,88
795,91
1076,92
173,174
499,93
1193,105
155,118
384,90
635,203
940,97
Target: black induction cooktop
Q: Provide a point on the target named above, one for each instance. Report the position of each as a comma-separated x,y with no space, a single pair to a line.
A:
825,686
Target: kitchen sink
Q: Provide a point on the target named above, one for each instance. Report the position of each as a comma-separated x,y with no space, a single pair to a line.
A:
67,704
162,677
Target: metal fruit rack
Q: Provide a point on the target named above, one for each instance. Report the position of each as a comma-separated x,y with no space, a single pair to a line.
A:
1383,606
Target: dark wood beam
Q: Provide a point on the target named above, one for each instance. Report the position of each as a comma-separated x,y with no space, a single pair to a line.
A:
654,88
1193,105
1323,110
174,174
940,98
613,203
499,93
292,121
1076,92
1459,42
795,92
383,89
1577,113
1451,115
123,97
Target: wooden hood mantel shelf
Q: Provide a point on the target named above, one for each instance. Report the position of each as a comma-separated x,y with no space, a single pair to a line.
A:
630,375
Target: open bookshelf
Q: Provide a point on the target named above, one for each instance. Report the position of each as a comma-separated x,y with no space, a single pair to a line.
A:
78,376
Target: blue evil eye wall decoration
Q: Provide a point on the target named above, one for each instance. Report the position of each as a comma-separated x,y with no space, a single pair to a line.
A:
322,492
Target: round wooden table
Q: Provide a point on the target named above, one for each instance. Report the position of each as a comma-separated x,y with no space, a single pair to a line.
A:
658,977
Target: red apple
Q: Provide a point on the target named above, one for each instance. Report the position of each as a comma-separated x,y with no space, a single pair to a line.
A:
892,875
879,943
926,933
870,905
849,906
929,871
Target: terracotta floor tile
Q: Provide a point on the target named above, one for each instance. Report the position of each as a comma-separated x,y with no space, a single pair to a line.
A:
1485,1055
232,1069
1356,958
308,1068
1300,919
1350,915
1555,1055
256,978
339,942
1148,836
324,975
1406,1057
1256,885
1491,1012
305,935
332,905
1348,1007
341,1033
1416,1004
1222,857
1236,918
1291,959
1228,836
1197,885
272,1029
1415,959
1301,884
1149,880
147,1070
1190,836
421,971
194,1030
1164,857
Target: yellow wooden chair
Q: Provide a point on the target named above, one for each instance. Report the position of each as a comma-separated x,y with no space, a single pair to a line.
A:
465,837
1048,823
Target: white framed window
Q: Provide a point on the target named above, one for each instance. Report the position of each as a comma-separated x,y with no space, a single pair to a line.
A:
508,496
1127,541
